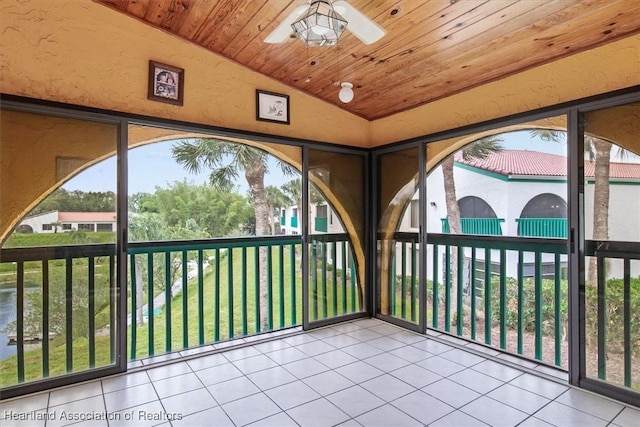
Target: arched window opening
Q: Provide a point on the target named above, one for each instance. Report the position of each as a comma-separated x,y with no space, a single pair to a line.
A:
475,207
543,216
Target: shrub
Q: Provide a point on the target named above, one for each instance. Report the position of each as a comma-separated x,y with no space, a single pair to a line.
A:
614,314
528,304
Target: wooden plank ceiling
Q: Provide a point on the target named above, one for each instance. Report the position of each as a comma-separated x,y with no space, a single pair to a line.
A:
431,49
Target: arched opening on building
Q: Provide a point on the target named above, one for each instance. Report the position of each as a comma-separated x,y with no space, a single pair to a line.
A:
545,206
545,215
475,207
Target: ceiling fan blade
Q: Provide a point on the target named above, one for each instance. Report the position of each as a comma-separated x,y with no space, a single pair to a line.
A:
359,24
284,30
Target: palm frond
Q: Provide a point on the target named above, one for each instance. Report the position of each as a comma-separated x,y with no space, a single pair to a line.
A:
549,135
224,177
286,168
482,148
246,155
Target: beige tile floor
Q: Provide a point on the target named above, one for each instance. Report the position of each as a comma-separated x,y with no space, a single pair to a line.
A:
364,372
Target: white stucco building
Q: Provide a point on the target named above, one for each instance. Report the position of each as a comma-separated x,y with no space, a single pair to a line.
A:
56,221
530,188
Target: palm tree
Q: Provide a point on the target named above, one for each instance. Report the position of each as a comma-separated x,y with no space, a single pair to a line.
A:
293,190
55,225
599,152
225,160
276,199
479,149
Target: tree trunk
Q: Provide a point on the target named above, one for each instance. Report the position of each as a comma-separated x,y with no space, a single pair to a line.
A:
255,178
600,201
453,215
272,226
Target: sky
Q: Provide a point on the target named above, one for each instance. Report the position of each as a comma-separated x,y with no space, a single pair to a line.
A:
153,165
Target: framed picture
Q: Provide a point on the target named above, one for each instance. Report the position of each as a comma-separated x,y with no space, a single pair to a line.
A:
166,83
272,107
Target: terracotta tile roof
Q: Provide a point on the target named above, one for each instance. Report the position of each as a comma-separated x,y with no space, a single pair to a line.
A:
535,163
86,216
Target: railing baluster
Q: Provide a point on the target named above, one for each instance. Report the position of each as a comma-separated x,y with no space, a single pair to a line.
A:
230,291
354,284
314,282
403,280
92,313
334,278
503,299
556,311
626,292
473,293
344,277
393,280
460,291
244,291
200,296
520,300
167,301
487,296
150,330
113,295
256,284
602,309
216,299
69,312
538,305
269,288
414,281
436,291
323,258
185,302
292,274
45,318
281,284
447,288
134,309
20,319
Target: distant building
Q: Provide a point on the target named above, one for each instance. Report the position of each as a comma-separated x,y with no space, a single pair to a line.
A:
58,222
523,193
322,219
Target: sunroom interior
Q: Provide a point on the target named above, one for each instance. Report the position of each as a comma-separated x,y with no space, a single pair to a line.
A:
378,309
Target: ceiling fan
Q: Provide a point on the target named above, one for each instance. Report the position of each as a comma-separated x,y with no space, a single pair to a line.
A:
357,23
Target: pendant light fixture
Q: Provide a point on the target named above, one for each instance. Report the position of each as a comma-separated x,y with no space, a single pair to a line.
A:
320,25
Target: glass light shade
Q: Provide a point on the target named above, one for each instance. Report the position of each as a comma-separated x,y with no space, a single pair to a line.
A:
321,25
346,93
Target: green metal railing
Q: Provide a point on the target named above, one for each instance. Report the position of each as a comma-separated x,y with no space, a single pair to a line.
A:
482,226
613,313
403,291
229,288
181,294
220,289
542,227
333,281
65,310
320,224
494,290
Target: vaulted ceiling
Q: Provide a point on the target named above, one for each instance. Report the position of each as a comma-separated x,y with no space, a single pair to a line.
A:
431,49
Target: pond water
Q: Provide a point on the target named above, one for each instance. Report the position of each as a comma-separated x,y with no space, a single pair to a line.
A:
7,315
